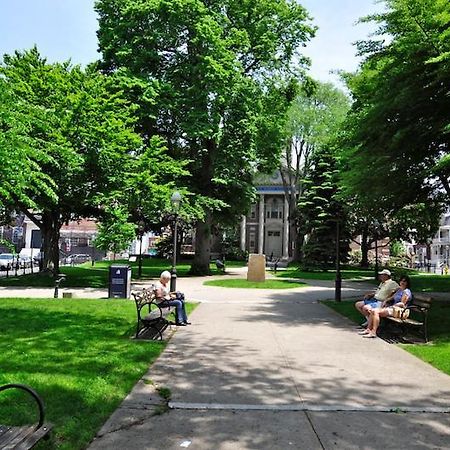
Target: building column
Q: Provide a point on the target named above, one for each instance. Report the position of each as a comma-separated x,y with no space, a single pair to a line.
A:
286,229
261,225
243,232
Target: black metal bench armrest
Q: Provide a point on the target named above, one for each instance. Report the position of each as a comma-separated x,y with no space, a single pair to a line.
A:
34,394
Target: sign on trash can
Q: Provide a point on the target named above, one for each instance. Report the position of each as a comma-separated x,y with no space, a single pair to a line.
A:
119,281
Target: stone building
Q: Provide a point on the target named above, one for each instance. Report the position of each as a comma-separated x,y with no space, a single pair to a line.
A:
265,229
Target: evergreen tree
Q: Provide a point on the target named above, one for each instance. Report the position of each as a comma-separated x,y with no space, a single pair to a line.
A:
320,209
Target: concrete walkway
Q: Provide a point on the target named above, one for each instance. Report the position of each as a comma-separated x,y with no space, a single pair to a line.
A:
264,369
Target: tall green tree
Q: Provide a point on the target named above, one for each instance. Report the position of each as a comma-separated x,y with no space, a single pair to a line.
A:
203,73
313,122
397,134
320,208
87,140
20,153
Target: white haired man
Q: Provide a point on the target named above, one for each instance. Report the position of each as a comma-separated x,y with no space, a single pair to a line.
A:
163,295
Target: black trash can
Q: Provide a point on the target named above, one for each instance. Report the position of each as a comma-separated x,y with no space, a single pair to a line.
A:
119,281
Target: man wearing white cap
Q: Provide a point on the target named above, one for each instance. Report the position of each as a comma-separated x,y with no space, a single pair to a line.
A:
374,299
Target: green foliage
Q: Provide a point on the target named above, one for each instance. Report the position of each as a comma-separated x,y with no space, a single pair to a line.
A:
313,122
115,234
21,153
396,248
230,245
321,211
210,79
396,135
82,133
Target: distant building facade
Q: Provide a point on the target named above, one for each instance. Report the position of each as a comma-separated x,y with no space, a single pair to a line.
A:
436,253
265,229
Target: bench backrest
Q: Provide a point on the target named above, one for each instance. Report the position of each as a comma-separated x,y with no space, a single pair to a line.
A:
421,301
144,297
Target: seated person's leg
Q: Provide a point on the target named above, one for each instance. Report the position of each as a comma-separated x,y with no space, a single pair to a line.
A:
375,320
359,305
178,309
366,309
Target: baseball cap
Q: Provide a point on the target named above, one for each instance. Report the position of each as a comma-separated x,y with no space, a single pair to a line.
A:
385,272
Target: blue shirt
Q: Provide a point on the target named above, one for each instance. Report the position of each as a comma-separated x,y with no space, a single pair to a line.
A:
399,294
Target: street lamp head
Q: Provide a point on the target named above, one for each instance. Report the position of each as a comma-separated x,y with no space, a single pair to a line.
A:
176,200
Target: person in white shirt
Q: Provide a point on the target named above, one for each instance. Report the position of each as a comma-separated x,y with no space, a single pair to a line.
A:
163,295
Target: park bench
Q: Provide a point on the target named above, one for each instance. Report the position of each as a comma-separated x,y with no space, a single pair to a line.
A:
218,260
151,316
417,319
27,436
273,264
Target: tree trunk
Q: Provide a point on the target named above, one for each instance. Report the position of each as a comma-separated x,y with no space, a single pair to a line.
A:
200,265
364,249
50,241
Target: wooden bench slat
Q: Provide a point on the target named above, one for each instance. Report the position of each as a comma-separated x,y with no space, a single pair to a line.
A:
419,306
14,436
32,439
3,429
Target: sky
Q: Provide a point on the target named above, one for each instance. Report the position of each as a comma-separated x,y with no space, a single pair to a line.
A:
66,29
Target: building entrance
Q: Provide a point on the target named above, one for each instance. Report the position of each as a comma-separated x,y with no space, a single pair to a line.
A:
274,243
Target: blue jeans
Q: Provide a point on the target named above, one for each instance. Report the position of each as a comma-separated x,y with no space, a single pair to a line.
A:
180,310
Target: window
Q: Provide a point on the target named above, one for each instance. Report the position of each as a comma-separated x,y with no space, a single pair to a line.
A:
253,212
274,209
252,241
274,233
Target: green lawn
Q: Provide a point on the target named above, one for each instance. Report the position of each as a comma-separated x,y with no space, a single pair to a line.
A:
84,275
243,283
78,355
292,272
437,351
420,282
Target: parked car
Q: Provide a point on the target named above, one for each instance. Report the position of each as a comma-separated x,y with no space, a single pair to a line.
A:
7,261
78,258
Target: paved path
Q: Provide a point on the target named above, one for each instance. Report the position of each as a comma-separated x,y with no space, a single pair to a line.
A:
262,369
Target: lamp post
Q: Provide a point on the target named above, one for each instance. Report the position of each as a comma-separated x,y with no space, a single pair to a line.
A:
338,280
141,227
176,200
376,225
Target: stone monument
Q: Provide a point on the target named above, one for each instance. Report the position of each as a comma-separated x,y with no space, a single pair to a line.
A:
256,267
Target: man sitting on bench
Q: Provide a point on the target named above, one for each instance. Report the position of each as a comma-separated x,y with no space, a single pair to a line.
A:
400,299
375,299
